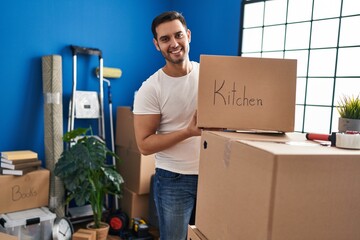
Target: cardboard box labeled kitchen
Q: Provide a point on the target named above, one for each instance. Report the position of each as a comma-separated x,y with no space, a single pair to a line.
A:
246,93
24,192
276,187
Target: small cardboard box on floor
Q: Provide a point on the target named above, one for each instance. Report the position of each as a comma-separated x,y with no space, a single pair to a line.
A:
24,192
84,234
135,168
276,187
246,93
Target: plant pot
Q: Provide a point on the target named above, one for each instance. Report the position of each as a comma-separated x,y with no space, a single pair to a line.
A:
102,232
347,124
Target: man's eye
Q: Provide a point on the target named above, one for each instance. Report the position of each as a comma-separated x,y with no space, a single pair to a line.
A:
179,35
165,39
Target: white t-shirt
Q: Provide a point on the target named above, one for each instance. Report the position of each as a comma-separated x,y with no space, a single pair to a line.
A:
175,98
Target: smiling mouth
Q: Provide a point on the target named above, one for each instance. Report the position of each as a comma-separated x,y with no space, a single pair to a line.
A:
176,51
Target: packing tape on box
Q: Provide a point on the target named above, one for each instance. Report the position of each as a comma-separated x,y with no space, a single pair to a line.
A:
349,141
227,151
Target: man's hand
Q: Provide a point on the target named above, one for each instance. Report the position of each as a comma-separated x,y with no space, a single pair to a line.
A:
192,126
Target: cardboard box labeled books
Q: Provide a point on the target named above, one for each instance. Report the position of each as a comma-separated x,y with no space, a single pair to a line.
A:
24,192
135,168
281,188
246,93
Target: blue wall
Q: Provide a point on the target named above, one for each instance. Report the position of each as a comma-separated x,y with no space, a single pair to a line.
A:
121,29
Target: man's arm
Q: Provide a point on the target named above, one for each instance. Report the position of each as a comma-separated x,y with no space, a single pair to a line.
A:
149,142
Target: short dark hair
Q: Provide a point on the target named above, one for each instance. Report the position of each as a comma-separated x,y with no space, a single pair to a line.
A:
166,17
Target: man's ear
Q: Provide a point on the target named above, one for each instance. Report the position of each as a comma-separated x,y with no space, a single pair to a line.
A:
156,44
189,35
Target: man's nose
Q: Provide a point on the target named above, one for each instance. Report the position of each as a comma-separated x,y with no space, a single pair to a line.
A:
173,42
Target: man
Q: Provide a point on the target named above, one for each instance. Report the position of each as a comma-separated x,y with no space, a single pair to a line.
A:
165,124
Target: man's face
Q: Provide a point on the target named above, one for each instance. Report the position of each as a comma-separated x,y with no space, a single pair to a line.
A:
173,41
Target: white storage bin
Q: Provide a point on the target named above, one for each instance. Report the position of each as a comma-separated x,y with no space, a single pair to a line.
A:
32,224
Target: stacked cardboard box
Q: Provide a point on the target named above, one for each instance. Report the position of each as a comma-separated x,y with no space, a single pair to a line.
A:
284,187
269,185
24,192
135,168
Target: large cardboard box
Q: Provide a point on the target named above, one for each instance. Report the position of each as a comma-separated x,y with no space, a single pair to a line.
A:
246,93
277,188
125,133
135,168
24,192
135,205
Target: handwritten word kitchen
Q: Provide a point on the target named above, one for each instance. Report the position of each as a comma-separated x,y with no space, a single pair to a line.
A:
233,96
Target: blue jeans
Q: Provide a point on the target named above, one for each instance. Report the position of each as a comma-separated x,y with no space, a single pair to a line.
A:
175,199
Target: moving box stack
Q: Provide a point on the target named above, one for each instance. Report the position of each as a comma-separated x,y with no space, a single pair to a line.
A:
261,180
135,168
24,197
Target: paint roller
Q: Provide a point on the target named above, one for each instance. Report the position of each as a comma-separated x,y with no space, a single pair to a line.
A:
108,73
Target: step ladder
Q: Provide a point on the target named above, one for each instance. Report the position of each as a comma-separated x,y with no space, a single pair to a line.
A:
87,104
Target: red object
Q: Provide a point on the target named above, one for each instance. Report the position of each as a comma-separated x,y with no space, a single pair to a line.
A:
352,132
322,137
318,136
116,223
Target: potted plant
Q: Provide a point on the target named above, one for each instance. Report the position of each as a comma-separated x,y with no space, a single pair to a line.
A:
86,176
349,111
